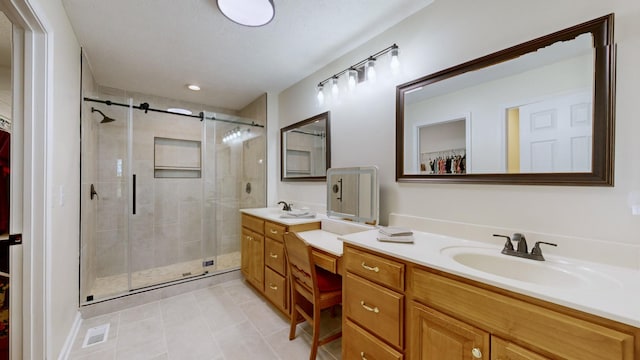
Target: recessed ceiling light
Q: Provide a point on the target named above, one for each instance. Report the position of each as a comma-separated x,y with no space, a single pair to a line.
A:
180,111
193,87
248,12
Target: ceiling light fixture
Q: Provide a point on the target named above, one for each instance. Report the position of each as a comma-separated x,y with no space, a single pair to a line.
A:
360,71
180,111
248,12
193,87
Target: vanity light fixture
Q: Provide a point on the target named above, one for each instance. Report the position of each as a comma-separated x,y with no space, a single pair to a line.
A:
358,72
248,12
193,87
335,91
352,78
371,69
320,95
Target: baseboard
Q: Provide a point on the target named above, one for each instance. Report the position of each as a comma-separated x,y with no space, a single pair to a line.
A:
71,337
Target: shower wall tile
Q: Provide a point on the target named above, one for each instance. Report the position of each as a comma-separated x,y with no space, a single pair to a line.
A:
190,189
167,245
142,239
111,248
112,210
190,250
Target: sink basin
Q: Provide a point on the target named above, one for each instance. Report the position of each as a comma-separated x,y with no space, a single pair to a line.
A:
546,273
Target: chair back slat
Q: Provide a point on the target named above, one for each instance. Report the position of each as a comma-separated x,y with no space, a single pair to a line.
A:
300,262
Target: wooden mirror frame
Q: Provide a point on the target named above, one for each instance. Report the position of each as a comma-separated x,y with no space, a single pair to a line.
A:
324,116
602,166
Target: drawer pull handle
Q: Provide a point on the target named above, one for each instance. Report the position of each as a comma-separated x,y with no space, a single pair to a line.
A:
273,287
369,308
273,231
362,355
370,268
275,256
477,354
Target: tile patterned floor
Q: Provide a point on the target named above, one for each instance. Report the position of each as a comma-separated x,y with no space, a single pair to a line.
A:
229,321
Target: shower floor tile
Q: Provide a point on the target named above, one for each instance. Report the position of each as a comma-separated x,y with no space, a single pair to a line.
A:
190,326
118,284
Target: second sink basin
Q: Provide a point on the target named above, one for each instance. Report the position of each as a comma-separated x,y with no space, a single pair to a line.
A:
546,273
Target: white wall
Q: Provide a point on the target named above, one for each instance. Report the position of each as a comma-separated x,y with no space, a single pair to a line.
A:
448,33
63,175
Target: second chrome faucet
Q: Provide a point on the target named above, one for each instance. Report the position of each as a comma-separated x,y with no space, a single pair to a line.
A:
521,249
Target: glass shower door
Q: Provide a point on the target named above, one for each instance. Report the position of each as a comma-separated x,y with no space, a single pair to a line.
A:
166,220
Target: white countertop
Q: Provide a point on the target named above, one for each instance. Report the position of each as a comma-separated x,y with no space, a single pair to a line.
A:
609,291
274,214
323,240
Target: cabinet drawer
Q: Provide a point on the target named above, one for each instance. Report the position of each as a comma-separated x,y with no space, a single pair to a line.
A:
274,288
504,350
375,308
274,231
274,255
325,261
375,268
548,330
253,223
357,343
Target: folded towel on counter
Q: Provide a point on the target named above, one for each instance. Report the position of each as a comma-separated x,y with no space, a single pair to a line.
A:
395,231
297,214
398,239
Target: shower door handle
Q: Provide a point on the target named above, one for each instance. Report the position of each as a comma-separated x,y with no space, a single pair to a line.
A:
134,194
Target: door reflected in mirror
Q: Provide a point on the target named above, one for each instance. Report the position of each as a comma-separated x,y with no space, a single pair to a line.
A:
539,113
306,153
352,194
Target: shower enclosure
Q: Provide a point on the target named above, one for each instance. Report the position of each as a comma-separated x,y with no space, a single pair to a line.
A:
161,193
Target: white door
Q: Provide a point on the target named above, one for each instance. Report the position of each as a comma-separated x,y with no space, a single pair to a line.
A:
555,134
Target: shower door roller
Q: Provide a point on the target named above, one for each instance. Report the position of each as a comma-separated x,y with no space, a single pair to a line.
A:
247,188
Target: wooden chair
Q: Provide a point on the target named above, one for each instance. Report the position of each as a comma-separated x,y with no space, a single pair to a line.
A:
312,289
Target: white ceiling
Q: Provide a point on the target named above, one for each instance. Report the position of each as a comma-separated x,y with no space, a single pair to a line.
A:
157,47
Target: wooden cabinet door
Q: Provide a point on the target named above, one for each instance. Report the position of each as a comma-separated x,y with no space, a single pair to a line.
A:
435,336
504,350
252,258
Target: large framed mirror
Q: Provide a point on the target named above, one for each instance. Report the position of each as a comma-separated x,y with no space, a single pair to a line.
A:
306,149
352,194
541,112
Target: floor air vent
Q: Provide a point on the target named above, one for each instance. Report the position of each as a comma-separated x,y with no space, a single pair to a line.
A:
96,335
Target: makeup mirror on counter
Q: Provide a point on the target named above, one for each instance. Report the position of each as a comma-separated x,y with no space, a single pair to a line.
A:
306,149
352,194
541,112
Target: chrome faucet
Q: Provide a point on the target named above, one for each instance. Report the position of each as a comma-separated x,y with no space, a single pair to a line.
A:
522,249
285,206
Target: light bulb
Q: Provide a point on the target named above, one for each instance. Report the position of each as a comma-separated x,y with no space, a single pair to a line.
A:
371,70
352,76
334,87
395,61
320,95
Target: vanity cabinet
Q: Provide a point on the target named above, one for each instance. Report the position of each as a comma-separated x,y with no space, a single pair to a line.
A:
252,255
373,306
263,258
449,317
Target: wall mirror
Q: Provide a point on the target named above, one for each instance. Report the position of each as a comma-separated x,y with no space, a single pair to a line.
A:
541,112
352,194
306,149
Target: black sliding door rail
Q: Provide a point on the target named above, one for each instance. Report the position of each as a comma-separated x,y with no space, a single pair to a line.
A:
145,107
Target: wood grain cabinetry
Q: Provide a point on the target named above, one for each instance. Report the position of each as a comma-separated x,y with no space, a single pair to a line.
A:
449,317
263,258
373,306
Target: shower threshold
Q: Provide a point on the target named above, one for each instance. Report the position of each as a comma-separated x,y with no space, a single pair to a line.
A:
117,285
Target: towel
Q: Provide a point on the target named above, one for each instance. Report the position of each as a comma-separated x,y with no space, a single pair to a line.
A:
395,231
397,239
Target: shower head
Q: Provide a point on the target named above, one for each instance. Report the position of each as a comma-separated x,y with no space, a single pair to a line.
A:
105,118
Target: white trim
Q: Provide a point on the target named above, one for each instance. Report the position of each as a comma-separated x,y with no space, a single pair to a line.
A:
71,337
36,97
